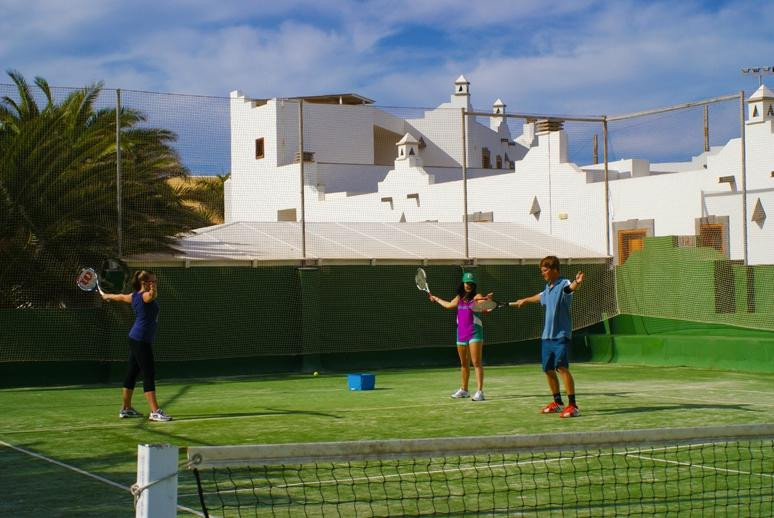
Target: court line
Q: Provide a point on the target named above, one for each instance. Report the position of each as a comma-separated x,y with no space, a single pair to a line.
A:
178,420
351,410
701,466
434,404
84,473
414,474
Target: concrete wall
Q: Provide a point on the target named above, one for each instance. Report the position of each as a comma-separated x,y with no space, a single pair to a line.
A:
571,198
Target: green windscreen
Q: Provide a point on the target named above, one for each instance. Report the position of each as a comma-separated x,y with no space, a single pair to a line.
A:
695,283
227,312
115,179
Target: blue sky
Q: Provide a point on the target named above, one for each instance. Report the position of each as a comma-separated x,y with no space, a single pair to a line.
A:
580,56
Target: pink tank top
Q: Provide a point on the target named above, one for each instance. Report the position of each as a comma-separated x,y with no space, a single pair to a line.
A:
465,319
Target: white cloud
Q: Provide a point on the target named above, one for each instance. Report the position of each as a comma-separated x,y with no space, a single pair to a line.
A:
578,57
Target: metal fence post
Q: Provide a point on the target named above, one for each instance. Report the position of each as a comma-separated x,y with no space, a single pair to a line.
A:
301,172
744,175
465,182
119,231
607,184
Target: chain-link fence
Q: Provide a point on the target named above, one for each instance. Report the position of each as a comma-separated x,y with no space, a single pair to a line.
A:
121,179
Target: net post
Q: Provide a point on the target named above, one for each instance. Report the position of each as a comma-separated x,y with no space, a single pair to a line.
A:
156,495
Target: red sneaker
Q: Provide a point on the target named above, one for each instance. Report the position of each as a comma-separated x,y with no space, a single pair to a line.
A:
570,411
552,408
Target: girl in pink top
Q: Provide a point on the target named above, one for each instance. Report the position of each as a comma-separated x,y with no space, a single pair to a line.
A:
470,334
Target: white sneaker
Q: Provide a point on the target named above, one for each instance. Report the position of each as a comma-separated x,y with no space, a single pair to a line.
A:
460,394
159,415
128,412
478,396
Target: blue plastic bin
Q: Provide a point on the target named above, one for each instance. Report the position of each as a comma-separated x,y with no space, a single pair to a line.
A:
361,381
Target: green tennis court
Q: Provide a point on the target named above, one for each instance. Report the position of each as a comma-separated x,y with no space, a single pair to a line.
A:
79,428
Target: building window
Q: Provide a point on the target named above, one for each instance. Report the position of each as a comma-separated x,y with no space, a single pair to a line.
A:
481,217
258,148
286,215
712,232
630,241
711,235
486,160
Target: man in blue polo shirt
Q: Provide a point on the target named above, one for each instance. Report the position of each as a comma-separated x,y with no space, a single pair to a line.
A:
557,331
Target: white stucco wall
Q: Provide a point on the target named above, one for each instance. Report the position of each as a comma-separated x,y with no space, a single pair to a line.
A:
571,198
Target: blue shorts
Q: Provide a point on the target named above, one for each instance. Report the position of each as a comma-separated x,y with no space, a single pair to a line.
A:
478,336
555,353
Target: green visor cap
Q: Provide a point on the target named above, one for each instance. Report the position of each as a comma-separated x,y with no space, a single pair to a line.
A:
468,277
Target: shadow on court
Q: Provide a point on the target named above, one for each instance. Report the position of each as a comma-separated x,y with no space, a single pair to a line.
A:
67,492
268,413
545,395
166,401
172,436
674,406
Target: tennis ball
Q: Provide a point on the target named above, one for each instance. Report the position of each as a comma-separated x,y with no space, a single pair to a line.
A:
316,373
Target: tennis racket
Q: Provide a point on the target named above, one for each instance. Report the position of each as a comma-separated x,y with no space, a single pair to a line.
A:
487,305
421,280
88,280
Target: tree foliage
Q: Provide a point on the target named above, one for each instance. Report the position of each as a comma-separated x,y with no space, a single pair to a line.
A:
58,204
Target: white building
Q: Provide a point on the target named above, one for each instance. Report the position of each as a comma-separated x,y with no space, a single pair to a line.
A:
408,169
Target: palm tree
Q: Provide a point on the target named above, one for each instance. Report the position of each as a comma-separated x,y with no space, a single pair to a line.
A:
205,195
58,191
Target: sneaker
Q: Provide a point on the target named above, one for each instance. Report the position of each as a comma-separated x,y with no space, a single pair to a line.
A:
460,394
570,411
552,408
478,396
128,412
159,415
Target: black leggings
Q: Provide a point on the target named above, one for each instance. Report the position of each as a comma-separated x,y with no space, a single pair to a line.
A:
140,361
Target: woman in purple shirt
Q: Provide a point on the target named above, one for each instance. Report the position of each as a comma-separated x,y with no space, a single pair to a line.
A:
146,310
470,334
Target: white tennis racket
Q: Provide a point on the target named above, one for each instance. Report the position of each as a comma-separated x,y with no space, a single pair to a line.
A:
421,281
487,305
88,280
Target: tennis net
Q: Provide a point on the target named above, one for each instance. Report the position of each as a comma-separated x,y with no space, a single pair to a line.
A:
715,471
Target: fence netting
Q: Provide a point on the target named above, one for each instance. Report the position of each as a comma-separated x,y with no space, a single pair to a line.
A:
294,226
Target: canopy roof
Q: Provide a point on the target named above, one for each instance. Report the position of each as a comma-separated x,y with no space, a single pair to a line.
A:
364,243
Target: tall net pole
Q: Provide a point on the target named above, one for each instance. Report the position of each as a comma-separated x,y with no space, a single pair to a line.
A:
119,233
465,183
607,185
744,175
301,173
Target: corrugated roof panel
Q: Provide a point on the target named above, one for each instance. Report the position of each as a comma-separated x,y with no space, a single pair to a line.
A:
281,241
